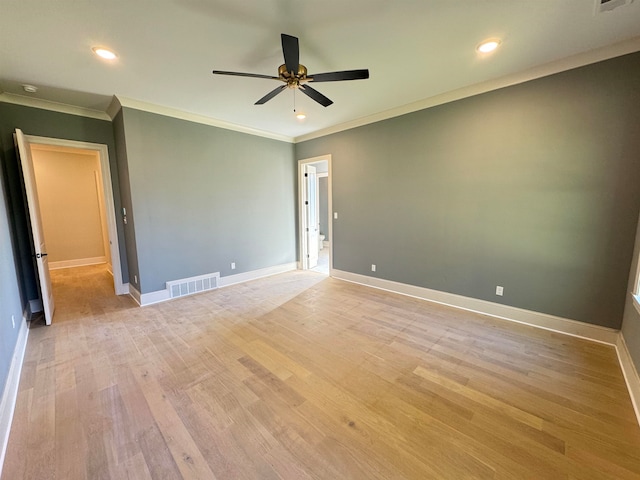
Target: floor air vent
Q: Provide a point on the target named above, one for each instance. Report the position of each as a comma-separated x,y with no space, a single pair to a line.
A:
189,286
603,6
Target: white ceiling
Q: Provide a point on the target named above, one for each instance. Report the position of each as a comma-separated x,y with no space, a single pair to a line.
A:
414,49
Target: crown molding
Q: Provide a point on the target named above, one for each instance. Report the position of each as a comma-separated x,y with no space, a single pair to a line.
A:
575,61
193,117
52,106
568,63
114,107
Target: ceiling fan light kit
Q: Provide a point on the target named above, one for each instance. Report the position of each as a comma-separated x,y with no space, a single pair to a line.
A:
295,76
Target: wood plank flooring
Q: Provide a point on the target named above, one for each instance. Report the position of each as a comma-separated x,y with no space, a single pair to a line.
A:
300,376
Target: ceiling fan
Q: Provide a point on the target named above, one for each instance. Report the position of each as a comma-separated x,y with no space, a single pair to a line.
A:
294,74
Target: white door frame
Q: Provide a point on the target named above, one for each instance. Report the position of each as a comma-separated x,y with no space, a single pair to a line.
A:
107,188
302,264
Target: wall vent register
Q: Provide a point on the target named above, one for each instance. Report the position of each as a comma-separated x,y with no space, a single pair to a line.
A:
189,286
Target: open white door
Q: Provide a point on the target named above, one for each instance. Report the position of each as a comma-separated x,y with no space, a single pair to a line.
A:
36,226
311,215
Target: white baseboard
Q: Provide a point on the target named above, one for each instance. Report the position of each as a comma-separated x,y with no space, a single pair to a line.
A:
79,262
135,294
159,296
630,374
541,320
255,274
10,394
154,297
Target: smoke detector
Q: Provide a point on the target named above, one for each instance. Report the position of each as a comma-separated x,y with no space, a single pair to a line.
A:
603,6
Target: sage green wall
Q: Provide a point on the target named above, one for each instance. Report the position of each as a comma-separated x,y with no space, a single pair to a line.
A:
204,197
10,301
532,187
125,197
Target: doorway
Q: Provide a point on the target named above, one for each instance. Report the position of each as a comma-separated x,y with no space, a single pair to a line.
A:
71,198
93,158
315,206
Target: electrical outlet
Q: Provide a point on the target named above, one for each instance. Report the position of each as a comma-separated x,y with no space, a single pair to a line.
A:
13,320
335,215
233,265
499,290
373,268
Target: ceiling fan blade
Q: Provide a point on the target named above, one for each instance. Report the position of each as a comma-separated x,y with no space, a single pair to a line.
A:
270,95
339,76
291,52
315,95
240,74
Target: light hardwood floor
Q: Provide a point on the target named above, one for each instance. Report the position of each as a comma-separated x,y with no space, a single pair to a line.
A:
300,376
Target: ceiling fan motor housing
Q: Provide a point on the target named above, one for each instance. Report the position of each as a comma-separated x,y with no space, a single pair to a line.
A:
292,80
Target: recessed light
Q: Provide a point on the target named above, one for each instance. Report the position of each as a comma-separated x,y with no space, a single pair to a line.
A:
489,45
105,53
301,116
29,88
